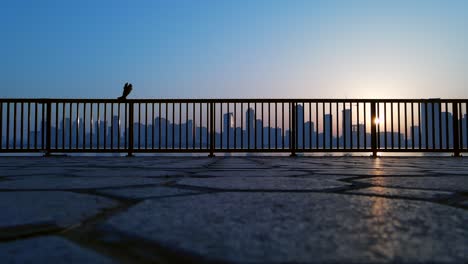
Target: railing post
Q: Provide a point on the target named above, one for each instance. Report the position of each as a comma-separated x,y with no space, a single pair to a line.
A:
373,130
293,130
212,130
49,128
130,129
456,136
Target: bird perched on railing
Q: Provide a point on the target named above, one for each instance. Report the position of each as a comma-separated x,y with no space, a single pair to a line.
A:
126,91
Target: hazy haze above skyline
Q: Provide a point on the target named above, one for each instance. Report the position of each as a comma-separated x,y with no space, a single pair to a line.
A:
235,49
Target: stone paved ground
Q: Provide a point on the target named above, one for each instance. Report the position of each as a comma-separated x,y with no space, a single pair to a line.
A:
236,210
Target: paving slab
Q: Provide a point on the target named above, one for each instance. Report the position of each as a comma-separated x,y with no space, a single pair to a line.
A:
75,183
300,228
265,183
54,209
418,194
146,192
446,183
49,249
251,172
125,172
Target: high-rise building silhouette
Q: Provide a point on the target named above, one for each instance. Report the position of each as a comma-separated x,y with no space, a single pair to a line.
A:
346,128
250,128
447,130
100,132
228,130
430,130
114,132
300,125
65,128
327,130
309,136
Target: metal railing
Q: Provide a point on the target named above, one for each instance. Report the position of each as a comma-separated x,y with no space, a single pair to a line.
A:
233,125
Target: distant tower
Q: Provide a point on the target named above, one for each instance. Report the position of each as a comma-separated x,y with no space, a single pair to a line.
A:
65,127
114,130
100,133
300,125
328,130
432,116
347,128
250,127
228,127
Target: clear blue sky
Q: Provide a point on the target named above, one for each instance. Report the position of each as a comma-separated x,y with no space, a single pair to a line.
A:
234,49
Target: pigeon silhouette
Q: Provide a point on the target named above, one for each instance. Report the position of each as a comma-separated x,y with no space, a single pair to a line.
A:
126,91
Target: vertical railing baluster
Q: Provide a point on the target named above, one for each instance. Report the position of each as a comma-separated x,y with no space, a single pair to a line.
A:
193,124
8,126
43,127
35,124
385,124
406,126
220,126
323,126
77,129
365,125
49,128
118,124
283,131
378,125
228,128
98,126
426,124
399,126
440,126
419,125
276,125
316,126
22,125
293,128
131,128
373,129
200,129
186,126
447,136
460,126
153,125
255,126
105,126
84,126
269,127
456,135
211,129
180,125
345,128
139,127
358,127
14,125
242,126
91,126
412,125
392,137
173,125
29,126
235,125
337,126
